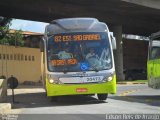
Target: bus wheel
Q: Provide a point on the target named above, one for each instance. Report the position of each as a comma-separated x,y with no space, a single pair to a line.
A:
53,99
102,96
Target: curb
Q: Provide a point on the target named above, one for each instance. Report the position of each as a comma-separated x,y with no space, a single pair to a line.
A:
131,83
4,107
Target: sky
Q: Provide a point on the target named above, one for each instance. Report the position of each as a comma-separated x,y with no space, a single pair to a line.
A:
26,25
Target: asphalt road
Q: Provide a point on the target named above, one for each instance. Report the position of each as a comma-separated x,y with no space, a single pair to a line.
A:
130,99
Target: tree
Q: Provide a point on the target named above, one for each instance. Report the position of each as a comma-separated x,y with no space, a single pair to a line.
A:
6,37
16,38
4,26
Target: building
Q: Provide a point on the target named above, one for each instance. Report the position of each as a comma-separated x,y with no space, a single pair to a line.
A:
24,63
135,54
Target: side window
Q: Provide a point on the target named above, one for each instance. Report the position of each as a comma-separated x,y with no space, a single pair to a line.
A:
15,57
33,58
25,57
22,57
11,57
155,53
4,56
29,58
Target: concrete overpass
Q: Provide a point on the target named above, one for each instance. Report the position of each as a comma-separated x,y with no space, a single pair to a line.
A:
138,17
148,3
135,18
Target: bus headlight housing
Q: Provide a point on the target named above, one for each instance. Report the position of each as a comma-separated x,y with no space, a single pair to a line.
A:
51,81
54,81
108,79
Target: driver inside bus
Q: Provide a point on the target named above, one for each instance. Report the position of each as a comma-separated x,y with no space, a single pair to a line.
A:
91,54
65,54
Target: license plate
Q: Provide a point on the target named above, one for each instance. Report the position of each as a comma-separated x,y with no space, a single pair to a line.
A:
81,90
93,79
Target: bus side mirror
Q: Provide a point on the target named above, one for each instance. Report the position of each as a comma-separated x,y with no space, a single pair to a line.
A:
42,45
113,41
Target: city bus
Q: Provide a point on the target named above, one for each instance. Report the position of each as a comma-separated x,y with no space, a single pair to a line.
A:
153,64
77,56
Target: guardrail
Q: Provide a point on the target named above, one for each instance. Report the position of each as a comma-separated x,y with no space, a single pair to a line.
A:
3,90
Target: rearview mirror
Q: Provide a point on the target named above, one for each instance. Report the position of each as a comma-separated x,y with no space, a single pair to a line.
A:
113,41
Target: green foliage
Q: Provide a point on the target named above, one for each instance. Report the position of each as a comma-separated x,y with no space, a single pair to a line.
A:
5,21
4,26
15,38
3,31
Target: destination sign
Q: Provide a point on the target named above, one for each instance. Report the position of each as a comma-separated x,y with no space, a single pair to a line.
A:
64,62
77,37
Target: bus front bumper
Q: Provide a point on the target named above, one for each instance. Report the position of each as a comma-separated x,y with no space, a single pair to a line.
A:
80,89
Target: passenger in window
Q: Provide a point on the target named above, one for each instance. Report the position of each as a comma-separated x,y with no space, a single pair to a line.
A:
65,54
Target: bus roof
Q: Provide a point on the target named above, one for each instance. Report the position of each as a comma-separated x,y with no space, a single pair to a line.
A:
61,21
75,24
156,43
155,35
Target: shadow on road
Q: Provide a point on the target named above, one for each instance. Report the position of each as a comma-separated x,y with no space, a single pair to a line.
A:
33,100
153,100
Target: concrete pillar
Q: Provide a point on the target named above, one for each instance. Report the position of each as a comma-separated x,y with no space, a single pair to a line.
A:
118,53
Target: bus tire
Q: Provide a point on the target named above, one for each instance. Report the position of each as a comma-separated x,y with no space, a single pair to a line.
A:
54,99
102,96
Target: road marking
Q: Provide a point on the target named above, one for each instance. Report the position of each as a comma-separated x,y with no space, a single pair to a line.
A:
150,101
127,92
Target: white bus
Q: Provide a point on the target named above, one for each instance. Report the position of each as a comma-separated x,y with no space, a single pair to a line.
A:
78,58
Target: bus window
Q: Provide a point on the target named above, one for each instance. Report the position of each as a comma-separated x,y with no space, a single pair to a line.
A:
155,53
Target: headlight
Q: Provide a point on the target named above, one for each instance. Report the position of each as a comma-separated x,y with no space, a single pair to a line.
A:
51,81
54,81
108,79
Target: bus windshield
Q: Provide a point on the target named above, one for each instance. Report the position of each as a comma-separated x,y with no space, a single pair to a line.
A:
80,51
